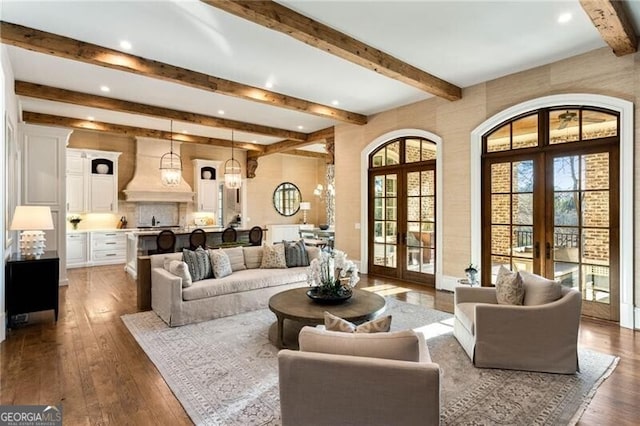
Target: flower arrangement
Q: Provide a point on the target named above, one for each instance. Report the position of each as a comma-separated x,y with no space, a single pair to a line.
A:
472,273
332,275
75,220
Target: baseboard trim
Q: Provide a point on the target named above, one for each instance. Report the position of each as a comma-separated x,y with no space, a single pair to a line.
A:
636,322
63,282
448,283
3,329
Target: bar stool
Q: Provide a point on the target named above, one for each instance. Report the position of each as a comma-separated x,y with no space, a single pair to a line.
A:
255,236
229,236
166,242
197,238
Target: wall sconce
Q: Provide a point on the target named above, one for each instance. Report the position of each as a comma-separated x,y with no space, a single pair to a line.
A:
32,220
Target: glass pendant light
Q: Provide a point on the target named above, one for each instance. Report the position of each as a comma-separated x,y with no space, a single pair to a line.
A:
171,166
232,170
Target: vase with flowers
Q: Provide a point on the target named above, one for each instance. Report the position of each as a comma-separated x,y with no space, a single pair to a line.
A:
472,274
75,220
331,277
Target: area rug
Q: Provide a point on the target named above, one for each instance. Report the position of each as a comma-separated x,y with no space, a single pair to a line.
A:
225,372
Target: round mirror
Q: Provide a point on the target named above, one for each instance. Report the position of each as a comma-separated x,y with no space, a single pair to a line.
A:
286,199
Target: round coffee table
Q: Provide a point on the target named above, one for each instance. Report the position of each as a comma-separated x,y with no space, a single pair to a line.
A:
295,305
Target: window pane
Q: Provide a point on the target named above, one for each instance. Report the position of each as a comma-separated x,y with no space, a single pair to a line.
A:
565,207
427,184
391,256
500,209
378,158
378,186
566,244
566,173
413,183
522,208
500,240
525,132
391,185
378,226
596,124
595,246
596,283
391,209
595,209
378,254
378,208
522,241
499,140
393,153
595,171
413,208
500,177
566,274
496,263
428,150
412,150
428,210
522,180
391,233
564,126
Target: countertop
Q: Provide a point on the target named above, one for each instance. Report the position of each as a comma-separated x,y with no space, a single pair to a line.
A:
154,231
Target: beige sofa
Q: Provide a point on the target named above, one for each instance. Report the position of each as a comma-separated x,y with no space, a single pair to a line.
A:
537,337
242,291
354,379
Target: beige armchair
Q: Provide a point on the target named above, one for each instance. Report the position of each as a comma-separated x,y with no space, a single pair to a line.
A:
359,379
540,337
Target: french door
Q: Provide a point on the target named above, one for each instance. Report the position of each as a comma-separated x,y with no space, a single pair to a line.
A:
402,214
553,211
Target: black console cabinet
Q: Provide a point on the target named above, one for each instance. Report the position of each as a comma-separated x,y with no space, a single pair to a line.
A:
32,284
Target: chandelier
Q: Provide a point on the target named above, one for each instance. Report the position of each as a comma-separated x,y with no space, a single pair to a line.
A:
171,166
232,170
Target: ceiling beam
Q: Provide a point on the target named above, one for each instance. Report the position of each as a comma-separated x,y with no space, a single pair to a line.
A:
321,135
290,145
94,101
64,47
279,18
80,124
613,23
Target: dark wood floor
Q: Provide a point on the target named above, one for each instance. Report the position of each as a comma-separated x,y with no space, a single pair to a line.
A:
89,363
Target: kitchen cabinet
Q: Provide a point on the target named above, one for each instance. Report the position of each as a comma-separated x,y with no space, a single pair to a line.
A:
92,181
205,182
77,254
108,248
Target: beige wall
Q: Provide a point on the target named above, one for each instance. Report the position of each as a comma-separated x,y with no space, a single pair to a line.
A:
598,72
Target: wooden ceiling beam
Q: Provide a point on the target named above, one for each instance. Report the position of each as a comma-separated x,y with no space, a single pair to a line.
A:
64,47
75,123
94,101
321,135
612,21
280,18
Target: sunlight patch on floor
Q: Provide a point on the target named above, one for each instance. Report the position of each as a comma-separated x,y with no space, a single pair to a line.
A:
434,330
386,290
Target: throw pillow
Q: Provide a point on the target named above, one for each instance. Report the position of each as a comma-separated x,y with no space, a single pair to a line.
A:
335,323
198,263
179,268
295,254
273,257
509,287
236,257
539,290
220,263
252,256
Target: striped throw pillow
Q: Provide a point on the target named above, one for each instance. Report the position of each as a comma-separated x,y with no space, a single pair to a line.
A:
198,263
295,254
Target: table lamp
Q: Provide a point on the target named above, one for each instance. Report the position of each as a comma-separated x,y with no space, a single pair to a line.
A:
304,206
32,221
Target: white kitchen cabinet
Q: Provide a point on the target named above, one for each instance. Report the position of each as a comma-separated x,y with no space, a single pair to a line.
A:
108,248
282,232
77,250
205,182
92,181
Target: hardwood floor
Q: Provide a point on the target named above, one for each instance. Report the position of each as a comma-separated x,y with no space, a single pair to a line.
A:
89,363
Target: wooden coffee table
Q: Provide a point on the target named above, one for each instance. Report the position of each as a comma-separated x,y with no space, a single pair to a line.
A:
295,305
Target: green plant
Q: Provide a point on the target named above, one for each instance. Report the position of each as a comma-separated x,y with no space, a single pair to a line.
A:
471,268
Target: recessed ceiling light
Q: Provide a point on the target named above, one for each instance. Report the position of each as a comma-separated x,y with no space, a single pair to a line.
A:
300,127
335,102
125,45
90,118
105,88
221,112
564,18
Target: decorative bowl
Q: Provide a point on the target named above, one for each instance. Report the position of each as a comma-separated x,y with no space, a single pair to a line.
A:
206,174
327,299
102,169
323,227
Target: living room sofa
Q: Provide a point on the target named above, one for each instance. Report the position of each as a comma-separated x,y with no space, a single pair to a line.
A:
244,290
533,337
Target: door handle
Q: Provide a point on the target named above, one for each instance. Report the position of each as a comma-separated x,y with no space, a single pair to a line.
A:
537,249
548,250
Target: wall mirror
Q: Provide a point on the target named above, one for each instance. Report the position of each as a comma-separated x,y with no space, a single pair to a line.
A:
286,199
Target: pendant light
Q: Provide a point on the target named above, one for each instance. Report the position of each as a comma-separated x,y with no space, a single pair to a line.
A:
232,170
171,166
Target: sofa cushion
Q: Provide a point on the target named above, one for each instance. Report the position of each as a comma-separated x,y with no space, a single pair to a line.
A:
273,257
539,290
220,263
406,345
509,288
252,256
198,262
180,269
295,254
335,323
249,279
236,258
466,314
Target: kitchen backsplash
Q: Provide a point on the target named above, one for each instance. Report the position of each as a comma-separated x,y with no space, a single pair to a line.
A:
166,214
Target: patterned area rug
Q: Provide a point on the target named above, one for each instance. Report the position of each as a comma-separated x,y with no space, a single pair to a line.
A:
225,372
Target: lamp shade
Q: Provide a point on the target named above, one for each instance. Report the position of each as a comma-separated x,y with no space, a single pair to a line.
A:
305,205
32,218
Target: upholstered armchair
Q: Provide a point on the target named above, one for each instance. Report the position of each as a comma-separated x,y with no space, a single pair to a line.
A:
359,379
536,336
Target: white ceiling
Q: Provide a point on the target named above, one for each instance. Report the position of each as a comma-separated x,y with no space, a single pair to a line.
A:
462,42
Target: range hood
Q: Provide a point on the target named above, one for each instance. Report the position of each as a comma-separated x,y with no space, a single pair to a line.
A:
146,185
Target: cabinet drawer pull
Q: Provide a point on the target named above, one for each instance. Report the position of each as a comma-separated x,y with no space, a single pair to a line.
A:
110,254
110,235
111,243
